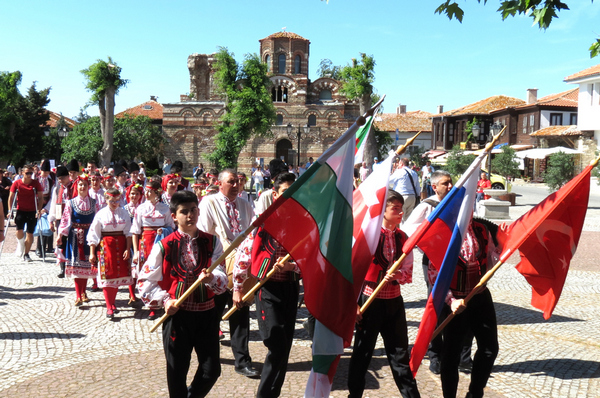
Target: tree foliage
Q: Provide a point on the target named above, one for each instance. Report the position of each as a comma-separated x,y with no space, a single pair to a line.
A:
328,69
505,163
21,118
417,156
559,170
458,162
542,12
249,109
134,138
103,80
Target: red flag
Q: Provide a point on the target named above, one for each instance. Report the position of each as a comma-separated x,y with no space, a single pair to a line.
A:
547,237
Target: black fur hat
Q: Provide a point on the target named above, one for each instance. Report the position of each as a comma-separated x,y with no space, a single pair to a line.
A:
73,165
61,171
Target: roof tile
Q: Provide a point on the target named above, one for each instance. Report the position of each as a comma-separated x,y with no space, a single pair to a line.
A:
557,131
485,106
594,70
151,108
409,121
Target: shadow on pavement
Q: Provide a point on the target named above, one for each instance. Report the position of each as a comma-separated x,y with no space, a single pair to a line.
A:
507,314
39,336
560,368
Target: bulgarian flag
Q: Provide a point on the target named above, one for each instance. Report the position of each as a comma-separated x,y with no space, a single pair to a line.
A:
313,221
361,140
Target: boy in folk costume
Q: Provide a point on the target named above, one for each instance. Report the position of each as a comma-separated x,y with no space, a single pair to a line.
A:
276,301
174,264
109,238
386,314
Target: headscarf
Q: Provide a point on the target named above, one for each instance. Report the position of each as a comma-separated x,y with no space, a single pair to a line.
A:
166,180
139,188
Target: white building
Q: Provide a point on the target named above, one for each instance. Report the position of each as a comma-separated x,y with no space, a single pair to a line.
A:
588,118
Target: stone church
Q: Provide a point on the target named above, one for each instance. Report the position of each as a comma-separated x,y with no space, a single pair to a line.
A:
315,109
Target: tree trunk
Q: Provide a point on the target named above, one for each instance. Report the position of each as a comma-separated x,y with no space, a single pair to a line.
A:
107,118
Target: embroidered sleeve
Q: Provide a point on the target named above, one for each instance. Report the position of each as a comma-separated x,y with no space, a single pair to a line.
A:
406,270
94,235
52,203
150,274
136,227
219,282
65,221
243,262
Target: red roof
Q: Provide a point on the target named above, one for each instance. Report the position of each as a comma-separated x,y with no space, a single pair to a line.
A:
284,35
409,121
557,131
151,108
485,106
566,98
55,117
594,70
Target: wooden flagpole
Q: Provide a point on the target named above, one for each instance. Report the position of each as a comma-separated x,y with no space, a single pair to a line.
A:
258,285
487,277
402,148
236,242
396,265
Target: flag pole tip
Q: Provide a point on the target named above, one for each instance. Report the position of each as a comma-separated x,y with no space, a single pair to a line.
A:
361,121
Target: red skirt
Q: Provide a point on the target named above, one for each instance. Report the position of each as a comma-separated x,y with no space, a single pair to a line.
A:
110,258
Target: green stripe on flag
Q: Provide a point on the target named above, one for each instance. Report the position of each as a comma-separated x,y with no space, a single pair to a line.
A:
322,363
362,132
332,213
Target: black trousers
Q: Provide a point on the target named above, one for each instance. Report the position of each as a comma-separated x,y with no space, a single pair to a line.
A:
479,317
276,307
239,329
385,316
186,331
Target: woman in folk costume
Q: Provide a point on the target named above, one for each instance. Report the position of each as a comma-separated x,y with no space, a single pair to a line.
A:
169,186
135,197
75,222
109,238
151,223
96,190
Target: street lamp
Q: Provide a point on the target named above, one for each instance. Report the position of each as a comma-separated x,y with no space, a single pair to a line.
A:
306,129
475,130
495,129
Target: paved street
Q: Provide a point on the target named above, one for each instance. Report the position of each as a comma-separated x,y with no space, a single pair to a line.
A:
49,348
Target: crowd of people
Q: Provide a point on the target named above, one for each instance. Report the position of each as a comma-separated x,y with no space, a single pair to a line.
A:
158,235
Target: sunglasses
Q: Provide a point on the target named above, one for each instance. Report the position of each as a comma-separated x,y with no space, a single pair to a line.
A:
29,173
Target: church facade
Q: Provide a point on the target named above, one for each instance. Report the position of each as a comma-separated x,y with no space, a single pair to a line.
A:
311,115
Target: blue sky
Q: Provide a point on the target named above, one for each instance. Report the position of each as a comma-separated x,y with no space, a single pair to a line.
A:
423,59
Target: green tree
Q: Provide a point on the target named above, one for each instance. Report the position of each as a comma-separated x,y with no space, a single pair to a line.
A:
327,69
559,170
417,156
103,80
21,118
249,109
134,137
82,116
357,84
458,162
383,142
543,13
505,163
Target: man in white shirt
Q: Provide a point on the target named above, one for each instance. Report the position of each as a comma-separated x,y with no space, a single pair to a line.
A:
406,182
227,215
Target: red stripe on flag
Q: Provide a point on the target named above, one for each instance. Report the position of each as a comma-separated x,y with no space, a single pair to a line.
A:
426,328
326,291
433,242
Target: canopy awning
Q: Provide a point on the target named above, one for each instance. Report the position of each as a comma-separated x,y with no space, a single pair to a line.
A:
542,153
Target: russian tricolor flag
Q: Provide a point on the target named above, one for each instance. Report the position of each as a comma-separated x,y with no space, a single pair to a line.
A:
445,227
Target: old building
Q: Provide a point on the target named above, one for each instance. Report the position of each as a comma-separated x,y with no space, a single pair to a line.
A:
311,115
403,125
152,109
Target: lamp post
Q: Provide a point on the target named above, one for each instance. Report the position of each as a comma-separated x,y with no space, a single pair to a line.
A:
306,129
475,130
61,132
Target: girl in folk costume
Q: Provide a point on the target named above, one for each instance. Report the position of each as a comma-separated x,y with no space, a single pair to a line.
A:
151,223
96,189
109,238
200,188
135,196
75,222
108,181
169,187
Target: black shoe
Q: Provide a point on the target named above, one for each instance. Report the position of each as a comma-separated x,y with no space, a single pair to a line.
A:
95,289
38,253
26,258
248,371
434,366
62,270
110,315
466,366
152,316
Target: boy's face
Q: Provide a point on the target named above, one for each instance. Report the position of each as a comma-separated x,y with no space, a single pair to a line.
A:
187,217
282,188
393,212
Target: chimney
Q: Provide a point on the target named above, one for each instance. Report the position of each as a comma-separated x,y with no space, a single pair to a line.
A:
531,95
401,109
440,108
153,98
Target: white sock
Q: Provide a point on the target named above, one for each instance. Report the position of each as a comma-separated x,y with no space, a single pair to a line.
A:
20,247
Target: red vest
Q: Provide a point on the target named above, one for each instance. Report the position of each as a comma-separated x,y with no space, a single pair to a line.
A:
379,264
174,273
460,272
264,254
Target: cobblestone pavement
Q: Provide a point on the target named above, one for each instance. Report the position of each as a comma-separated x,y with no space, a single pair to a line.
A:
49,348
